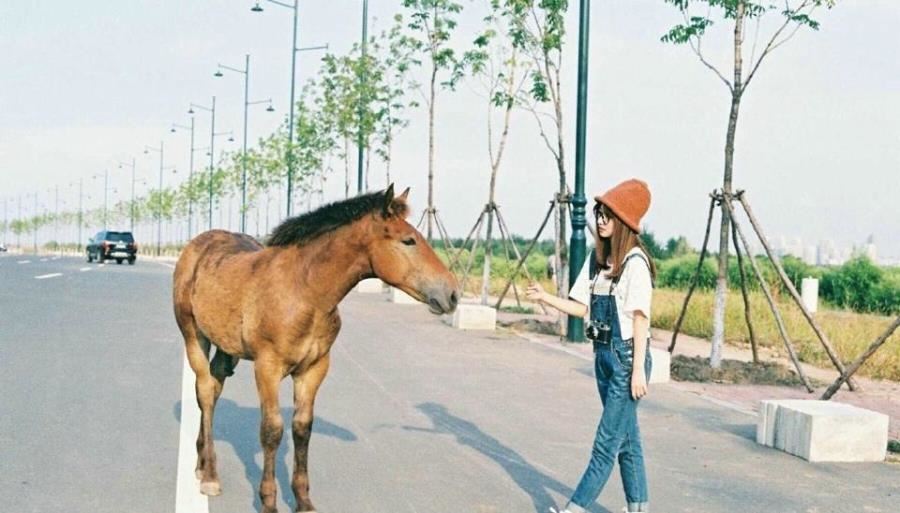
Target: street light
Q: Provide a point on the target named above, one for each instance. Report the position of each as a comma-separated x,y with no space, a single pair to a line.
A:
105,190
247,103
190,175
362,106
294,50
133,168
575,328
161,151
212,146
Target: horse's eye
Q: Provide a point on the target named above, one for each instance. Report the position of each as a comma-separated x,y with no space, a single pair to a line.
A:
409,242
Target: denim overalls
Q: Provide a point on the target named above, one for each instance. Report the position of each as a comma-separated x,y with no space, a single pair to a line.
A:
617,434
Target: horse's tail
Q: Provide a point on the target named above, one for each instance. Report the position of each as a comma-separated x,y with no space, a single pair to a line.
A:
183,287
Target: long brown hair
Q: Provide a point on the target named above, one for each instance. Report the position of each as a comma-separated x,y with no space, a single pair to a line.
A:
614,248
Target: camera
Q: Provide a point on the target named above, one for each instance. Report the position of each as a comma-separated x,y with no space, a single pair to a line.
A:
598,331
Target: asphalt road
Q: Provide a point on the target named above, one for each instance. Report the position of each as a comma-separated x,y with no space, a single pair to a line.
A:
413,417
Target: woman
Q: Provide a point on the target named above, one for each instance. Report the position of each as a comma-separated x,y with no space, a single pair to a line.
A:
617,298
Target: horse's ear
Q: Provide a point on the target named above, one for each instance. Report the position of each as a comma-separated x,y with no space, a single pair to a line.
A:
388,200
403,196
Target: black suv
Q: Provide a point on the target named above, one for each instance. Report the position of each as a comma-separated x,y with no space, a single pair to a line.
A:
112,245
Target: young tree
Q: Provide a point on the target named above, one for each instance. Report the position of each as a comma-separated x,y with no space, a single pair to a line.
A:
431,25
793,15
538,33
501,76
395,60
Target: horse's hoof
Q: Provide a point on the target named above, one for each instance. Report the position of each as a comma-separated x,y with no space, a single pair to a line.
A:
211,488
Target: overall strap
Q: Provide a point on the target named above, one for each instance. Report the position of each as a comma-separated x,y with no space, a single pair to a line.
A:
625,263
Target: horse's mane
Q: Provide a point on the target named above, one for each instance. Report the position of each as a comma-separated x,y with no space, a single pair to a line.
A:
306,227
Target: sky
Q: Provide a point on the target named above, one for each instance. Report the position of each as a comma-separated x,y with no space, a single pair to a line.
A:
86,85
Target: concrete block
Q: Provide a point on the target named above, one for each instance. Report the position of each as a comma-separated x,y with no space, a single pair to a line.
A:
823,430
370,286
472,317
662,365
401,298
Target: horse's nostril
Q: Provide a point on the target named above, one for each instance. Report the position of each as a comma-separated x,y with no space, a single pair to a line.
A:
454,299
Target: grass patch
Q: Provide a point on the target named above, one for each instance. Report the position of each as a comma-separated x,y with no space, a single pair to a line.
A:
849,332
697,369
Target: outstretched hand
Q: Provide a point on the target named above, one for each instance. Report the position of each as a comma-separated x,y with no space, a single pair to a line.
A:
534,292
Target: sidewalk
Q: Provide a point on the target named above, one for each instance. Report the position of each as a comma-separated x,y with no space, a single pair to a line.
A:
876,395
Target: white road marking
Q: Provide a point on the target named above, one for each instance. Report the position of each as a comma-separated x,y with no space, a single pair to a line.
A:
102,265
83,269
24,262
45,276
166,264
43,260
188,498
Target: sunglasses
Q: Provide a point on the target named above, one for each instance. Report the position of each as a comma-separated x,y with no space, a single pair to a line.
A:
601,214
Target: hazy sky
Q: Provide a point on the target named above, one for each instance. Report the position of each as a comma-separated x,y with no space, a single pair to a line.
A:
84,84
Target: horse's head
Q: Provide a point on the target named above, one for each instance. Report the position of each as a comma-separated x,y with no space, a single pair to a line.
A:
401,257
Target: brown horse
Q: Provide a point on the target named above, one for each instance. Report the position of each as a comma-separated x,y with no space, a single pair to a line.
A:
277,306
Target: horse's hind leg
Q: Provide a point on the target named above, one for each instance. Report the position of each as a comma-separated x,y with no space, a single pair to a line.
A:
271,428
210,380
306,385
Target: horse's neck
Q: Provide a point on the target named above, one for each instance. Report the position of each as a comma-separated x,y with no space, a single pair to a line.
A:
332,265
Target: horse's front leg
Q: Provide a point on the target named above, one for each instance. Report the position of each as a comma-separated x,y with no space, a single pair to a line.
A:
271,427
306,384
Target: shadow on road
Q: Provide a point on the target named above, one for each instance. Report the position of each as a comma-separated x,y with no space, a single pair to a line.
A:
532,481
239,426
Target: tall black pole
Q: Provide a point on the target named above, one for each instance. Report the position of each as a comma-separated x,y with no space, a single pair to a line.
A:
5,219
212,143
244,156
191,185
133,168
290,141
361,107
56,218
19,232
159,203
80,211
105,199
575,331
35,222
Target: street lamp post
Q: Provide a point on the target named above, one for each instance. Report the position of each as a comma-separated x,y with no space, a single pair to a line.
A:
35,222
190,176
133,167
362,83
212,146
247,103
80,205
290,146
19,231
575,328
161,150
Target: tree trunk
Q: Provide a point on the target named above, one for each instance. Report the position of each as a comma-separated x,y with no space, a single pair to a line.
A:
434,71
346,167
368,162
715,356
495,166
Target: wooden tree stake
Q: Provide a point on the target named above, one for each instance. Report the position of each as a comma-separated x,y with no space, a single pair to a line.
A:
762,283
793,292
712,203
853,367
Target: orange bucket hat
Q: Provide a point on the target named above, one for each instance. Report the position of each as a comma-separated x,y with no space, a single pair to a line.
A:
629,201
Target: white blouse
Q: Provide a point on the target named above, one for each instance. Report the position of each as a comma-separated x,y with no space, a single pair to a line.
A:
633,292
